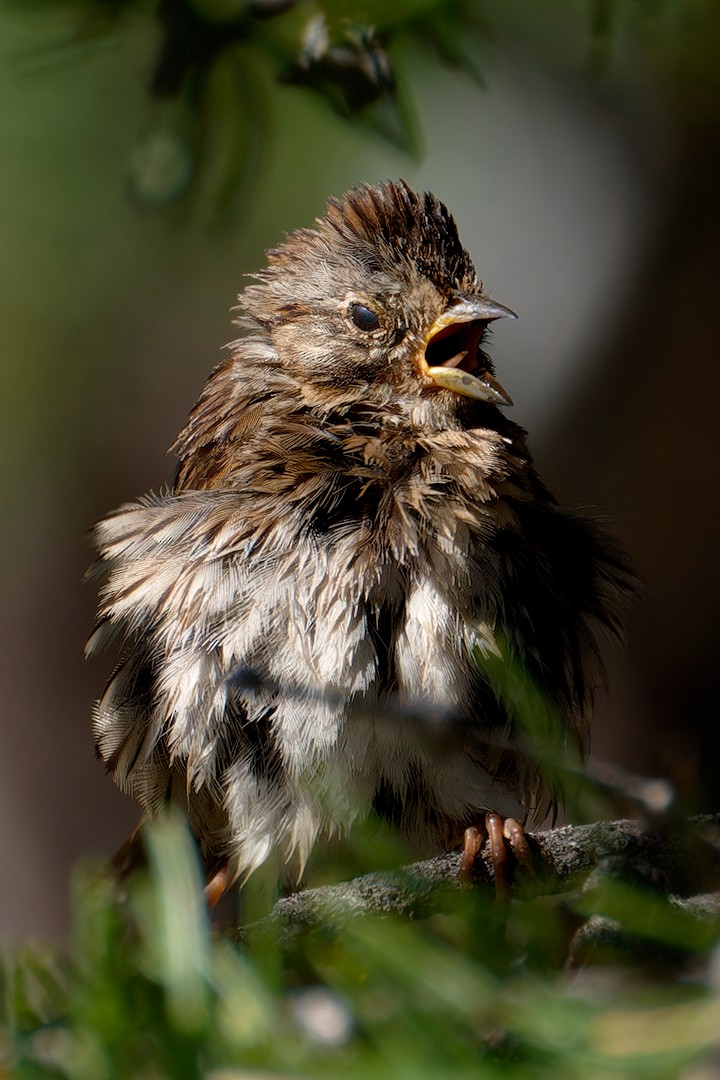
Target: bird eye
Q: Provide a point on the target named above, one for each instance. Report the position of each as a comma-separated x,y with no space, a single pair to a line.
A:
363,317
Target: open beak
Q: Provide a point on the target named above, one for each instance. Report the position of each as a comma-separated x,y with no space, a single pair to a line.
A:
451,355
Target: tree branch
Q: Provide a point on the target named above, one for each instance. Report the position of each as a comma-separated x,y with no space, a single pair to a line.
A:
680,858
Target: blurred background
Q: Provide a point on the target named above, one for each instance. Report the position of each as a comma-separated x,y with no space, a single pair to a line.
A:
584,177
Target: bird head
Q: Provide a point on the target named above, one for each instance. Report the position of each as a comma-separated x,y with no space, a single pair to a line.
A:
381,294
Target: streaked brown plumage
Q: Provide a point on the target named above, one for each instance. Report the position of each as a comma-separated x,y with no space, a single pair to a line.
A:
354,521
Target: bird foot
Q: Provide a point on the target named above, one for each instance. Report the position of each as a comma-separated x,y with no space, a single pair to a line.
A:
501,834
216,887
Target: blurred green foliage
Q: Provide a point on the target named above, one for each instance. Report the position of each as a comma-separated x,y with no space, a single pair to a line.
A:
147,989
213,64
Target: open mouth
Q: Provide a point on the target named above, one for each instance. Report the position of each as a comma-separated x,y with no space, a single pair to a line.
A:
453,360
456,346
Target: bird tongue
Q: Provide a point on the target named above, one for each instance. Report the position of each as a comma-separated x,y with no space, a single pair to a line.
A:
456,361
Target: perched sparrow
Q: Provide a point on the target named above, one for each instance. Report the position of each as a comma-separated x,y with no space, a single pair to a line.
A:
355,523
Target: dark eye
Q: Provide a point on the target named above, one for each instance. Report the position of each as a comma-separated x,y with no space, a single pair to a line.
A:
363,317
